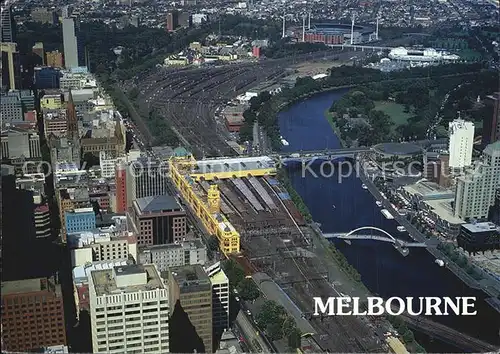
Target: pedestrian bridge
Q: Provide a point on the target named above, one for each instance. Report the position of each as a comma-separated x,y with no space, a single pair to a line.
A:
304,156
354,235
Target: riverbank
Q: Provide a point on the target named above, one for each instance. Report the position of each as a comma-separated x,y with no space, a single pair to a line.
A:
417,236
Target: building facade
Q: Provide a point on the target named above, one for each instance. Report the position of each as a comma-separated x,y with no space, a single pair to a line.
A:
461,142
129,310
158,220
479,237
42,221
149,178
220,297
54,59
174,255
477,188
491,124
47,78
32,314
70,43
78,220
191,286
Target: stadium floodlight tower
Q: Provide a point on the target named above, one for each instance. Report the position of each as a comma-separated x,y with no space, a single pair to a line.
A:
376,28
303,28
352,27
309,20
284,25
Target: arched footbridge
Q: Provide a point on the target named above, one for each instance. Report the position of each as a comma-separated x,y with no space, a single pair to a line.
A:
355,235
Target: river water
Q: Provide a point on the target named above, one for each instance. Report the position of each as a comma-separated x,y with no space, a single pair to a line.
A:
341,205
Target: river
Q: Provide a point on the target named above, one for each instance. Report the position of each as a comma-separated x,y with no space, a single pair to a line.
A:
341,205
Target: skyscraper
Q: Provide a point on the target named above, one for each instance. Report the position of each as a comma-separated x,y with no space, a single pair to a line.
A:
8,25
32,314
461,140
476,190
129,310
70,42
491,123
191,287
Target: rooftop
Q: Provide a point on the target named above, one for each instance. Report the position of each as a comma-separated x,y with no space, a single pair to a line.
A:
191,278
25,286
429,190
157,204
234,164
481,227
187,244
398,148
107,281
443,208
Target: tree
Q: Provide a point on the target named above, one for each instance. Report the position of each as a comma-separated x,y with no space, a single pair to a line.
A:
234,272
213,243
248,289
408,336
294,339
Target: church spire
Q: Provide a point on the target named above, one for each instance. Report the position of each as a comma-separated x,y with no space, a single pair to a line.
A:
71,118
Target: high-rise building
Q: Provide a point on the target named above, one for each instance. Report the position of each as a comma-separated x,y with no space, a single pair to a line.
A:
220,297
55,59
32,314
70,42
476,189
20,143
491,123
11,66
148,178
47,77
172,21
157,220
461,141
479,237
191,287
129,310
8,25
39,50
174,254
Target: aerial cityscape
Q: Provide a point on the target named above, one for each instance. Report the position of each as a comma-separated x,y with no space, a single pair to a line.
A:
213,176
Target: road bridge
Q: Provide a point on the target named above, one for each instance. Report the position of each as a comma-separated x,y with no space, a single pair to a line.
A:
304,156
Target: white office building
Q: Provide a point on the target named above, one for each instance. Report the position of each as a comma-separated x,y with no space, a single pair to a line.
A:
174,255
129,310
149,178
220,299
70,43
103,244
461,134
476,189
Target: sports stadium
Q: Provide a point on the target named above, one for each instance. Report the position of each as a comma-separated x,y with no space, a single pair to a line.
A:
337,33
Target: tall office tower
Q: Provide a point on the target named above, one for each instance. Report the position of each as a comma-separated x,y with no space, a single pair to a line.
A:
32,314
491,123
220,297
70,43
172,21
18,228
476,189
149,178
8,25
191,287
129,310
121,187
461,141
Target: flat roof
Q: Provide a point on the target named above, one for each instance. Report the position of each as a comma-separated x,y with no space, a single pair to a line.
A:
191,278
157,204
24,286
105,282
234,164
428,189
481,227
219,277
187,244
444,210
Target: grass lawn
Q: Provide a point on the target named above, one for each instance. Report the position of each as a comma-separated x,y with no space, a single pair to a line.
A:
393,110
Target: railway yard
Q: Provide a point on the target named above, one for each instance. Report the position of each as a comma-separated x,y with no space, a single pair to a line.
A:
274,240
273,237
187,98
